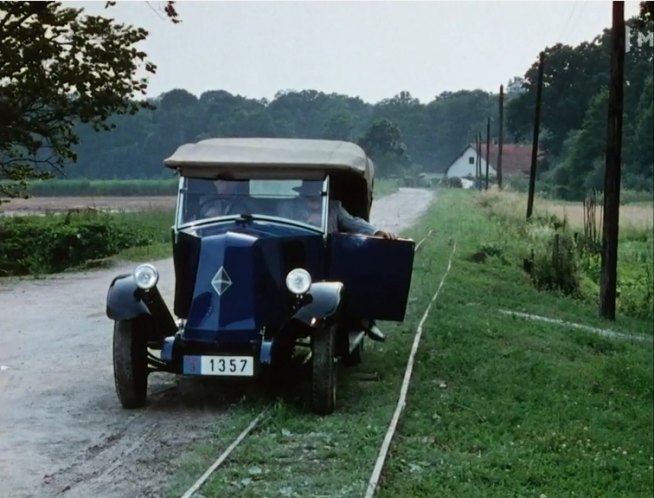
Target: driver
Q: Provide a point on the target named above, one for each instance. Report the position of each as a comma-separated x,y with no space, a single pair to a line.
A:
229,198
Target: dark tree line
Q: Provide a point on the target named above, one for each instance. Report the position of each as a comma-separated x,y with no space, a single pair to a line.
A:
574,113
400,133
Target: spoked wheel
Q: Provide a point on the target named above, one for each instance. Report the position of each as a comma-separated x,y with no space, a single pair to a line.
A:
130,363
323,379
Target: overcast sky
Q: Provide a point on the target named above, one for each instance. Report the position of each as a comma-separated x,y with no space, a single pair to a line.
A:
372,50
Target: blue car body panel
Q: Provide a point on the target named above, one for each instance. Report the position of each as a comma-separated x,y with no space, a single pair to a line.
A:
241,269
376,274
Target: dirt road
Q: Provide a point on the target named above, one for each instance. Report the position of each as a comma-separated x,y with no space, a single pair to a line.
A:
62,431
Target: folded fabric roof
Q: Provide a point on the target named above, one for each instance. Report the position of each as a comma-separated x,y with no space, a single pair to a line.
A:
270,158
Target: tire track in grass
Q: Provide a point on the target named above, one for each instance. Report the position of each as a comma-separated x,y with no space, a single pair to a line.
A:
401,402
254,423
225,454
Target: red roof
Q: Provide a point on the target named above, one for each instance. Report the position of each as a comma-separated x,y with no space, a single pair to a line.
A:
515,158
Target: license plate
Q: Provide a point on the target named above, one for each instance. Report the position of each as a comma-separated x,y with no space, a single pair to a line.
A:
236,366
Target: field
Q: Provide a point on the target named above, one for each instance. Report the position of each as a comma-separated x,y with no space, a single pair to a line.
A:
499,406
107,204
633,216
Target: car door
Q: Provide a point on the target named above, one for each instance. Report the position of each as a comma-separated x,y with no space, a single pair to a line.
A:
376,274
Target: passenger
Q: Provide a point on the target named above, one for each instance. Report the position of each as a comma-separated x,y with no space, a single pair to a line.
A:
339,220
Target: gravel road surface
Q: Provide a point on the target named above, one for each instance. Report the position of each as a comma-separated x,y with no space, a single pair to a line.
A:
62,430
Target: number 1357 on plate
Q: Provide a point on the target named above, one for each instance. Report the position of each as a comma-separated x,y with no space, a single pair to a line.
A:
237,366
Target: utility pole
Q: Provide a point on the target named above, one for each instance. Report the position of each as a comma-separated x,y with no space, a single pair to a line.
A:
501,139
476,159
479,160
608,275
534,147
487,149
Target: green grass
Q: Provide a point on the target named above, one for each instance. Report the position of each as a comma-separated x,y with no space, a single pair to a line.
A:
498,406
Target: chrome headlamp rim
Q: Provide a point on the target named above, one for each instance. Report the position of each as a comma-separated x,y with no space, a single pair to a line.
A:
146,276
298,281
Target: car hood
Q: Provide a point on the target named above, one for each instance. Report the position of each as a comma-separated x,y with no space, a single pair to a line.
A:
231,277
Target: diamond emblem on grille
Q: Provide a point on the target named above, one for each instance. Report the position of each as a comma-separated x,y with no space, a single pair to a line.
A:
221,281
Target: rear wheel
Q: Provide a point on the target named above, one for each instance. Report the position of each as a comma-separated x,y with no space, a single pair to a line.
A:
130,363
323,379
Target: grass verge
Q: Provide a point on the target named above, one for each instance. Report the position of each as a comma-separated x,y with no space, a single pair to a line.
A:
498,406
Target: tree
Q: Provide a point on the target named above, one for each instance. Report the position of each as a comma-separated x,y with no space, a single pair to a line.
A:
383,143
60,67
410,116
339,126
572,76
454,119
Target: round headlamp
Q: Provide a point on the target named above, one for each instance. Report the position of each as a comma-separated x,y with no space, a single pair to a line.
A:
146,276
298,281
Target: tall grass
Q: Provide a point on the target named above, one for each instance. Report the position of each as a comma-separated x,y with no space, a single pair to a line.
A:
635,255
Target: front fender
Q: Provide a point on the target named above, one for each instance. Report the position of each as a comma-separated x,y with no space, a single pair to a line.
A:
323,303
124,299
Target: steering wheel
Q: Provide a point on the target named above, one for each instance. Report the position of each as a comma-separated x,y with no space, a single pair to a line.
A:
214,206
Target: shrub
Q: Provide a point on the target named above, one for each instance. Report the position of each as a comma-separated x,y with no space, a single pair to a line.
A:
49,244
553,264
636,293
452,182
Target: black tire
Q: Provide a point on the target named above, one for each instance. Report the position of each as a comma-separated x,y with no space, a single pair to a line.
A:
355,357
130,363
323,378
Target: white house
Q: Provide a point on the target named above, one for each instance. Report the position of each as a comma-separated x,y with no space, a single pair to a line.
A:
516,160
465,165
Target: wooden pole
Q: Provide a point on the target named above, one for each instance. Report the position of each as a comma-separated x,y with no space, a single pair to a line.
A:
501,139
487,149
534,147
608,272
479,159
476,160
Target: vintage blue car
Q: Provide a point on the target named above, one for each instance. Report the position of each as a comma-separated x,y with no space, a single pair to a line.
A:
261,270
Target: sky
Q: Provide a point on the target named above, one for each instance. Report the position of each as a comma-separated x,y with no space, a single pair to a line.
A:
372,50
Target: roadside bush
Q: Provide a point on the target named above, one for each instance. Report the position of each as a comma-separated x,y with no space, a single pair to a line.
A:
553,264
452,182
636,293
46,244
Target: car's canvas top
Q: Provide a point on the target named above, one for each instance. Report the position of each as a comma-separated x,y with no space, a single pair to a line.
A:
270,157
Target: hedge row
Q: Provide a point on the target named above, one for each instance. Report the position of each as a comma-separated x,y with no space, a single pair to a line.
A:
47,244
81,187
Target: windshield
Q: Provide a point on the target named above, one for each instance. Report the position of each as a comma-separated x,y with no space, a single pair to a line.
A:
298,200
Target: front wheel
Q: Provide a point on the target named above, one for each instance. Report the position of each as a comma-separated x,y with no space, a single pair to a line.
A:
323,379
130,363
